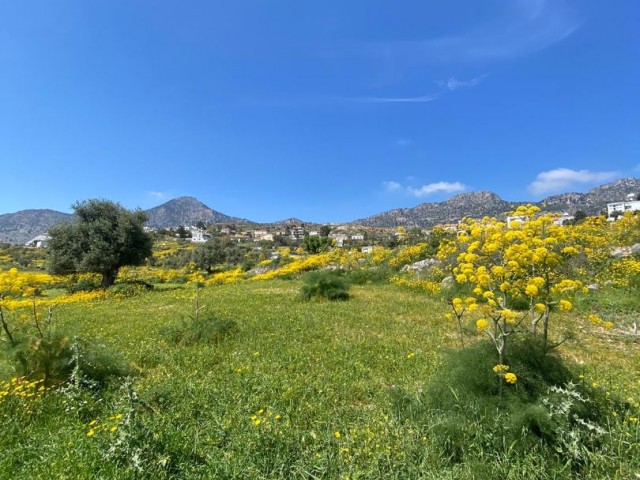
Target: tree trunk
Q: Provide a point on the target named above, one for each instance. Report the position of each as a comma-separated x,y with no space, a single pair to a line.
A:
109,278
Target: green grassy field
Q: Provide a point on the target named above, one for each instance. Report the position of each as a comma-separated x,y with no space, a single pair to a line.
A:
296,390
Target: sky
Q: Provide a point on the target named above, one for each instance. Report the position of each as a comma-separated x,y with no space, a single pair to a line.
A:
326,111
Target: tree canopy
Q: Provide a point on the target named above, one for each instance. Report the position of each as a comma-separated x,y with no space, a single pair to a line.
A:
216,252
103,238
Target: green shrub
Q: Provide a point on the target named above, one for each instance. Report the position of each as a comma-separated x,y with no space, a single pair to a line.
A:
96,365
47,356
54,358
323,284
200,329
129,289
363,276
84,285
472,410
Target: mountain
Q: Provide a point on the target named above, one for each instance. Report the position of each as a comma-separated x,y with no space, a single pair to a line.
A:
20,227
186,211
595,200
480,204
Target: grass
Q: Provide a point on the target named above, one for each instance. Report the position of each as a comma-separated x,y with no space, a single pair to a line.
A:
297,390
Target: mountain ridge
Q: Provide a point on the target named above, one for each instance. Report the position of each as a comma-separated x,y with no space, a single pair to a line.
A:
482,203
19,227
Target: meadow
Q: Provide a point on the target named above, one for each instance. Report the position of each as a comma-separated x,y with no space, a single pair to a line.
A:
233,378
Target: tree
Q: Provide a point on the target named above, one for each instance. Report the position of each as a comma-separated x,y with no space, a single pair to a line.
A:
183,232
325,230
215,252
104,238
315,244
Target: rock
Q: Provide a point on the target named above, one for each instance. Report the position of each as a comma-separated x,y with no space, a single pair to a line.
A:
448,282
626,251
421,265
593,286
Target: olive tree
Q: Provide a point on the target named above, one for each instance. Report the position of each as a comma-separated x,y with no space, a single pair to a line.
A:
216,252
103,238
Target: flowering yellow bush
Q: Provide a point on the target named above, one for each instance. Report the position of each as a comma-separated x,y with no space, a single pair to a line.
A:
419,284
409,254
335,258
230,276
505,265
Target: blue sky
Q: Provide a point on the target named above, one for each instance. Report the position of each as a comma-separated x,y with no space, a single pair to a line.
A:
326,111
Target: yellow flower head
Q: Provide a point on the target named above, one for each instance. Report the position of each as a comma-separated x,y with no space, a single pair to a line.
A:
565,305
540,307
500,368
510,378
509,315
482,324
531,290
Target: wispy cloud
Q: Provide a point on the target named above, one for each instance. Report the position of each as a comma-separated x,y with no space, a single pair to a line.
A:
438,187
523,27
392,186
158,195
422,99
424,190
562,179
453,83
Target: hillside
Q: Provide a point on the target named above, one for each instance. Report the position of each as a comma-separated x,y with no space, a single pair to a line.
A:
22,226
479,204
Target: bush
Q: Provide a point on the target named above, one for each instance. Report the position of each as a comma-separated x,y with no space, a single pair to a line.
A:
323,284
96,365
363,276
54,358
129,289
84,285
47,356
472,410
200,329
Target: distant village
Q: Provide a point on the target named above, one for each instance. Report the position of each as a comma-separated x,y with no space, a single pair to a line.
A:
344,236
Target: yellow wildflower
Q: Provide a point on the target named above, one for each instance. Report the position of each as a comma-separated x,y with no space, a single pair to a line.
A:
482,324
565,305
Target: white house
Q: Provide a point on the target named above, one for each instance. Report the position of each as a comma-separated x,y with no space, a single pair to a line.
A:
297,233
367,249
267,237
38,242
630,205
565,217
339,238
198,235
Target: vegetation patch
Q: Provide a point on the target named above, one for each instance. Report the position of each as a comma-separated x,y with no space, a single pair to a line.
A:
324,285
200,329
